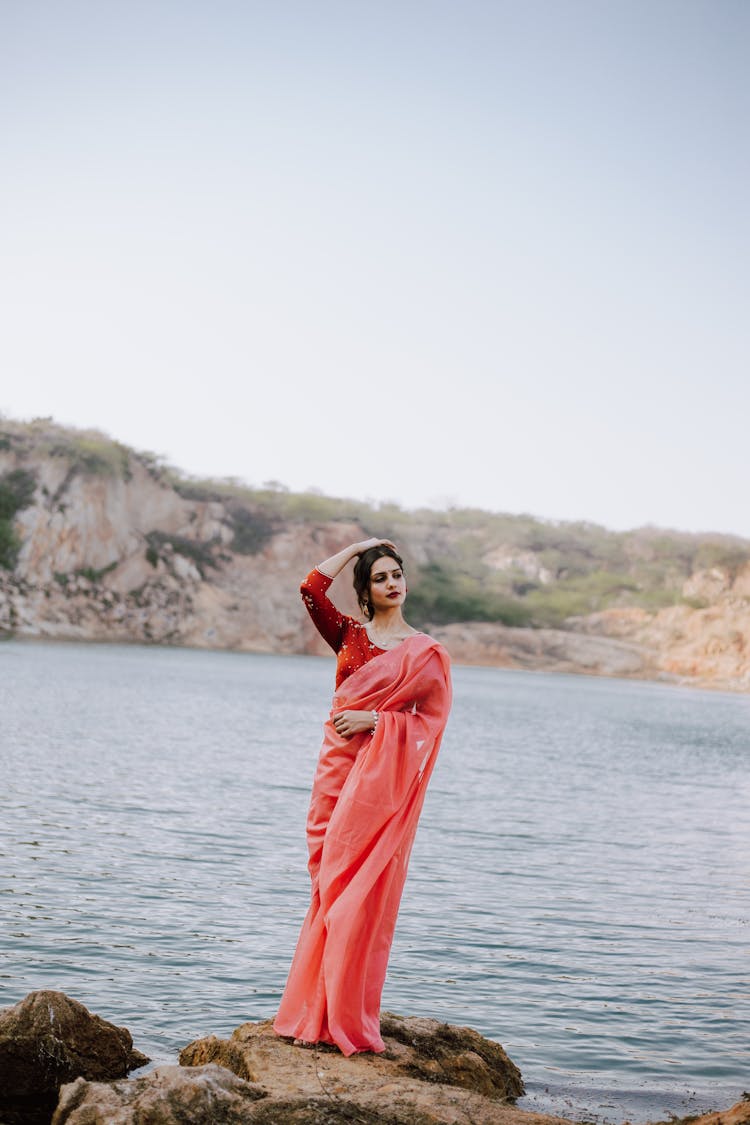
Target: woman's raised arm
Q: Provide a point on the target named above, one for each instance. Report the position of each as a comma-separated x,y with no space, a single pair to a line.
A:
336,563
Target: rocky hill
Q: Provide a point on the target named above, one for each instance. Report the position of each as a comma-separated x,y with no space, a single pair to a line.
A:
99,542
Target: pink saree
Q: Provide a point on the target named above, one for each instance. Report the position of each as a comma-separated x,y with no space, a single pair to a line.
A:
366,800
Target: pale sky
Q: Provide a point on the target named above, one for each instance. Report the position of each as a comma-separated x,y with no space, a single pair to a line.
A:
478,253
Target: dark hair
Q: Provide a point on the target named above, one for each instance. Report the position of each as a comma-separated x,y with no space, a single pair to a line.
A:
362,569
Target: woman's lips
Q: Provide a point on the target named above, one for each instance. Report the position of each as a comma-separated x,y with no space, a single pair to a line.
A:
395,594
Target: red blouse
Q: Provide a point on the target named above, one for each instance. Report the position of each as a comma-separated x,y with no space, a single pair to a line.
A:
347,637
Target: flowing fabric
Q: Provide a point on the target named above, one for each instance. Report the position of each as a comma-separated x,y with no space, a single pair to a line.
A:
366,800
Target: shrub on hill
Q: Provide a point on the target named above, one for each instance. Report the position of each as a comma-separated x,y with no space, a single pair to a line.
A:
17,489
439,596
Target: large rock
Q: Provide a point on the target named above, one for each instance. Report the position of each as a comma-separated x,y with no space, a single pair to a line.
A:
207,1095
430,1074
48,1039
540,650
458,1056
170,1095
708,646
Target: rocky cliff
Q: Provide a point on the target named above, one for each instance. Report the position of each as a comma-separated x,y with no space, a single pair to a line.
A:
104,552
98,542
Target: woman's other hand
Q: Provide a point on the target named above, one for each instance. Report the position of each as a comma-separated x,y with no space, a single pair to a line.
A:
348,723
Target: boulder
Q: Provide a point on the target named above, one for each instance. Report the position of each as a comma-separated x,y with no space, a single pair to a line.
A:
169,1095
48,1039
207,1095
458,1056
430,1073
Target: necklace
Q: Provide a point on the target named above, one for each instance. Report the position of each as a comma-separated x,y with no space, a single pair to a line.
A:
388,640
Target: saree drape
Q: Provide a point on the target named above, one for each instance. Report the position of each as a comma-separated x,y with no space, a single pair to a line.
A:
366,800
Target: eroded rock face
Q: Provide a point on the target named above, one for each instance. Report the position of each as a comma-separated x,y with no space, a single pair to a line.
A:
541,650
431,1073
169,1095
109,559
707,647
48,1039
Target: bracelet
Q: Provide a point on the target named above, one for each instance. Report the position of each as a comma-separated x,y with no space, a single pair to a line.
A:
375,717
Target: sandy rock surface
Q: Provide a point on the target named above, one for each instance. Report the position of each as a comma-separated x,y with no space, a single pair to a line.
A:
429,1074
169,1095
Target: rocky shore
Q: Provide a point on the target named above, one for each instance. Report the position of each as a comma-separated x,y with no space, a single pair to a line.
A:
61,1064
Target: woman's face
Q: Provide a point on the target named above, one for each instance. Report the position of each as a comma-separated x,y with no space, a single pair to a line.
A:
387,584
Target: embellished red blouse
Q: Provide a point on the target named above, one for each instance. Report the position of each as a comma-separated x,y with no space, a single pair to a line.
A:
347,637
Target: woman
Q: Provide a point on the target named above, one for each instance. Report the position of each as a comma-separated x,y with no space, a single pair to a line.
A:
391,704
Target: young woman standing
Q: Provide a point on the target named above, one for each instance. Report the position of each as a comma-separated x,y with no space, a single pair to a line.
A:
393,695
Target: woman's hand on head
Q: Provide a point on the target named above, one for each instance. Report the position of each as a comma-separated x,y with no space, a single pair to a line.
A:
349,723
367,543
333,566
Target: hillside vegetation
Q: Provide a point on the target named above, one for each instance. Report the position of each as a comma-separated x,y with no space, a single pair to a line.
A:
464,565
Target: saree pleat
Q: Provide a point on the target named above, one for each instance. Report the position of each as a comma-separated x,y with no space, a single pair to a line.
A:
366,800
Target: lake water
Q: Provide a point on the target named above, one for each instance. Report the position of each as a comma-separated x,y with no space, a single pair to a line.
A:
579,888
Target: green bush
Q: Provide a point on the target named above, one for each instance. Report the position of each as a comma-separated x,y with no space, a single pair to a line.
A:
696,603
550,606
730,557
201,490
10,545
199,553
438,597
580,594
17,489
95,575
252,530
16,492
93,454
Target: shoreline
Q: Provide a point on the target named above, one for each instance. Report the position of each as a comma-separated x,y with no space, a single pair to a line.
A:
600,1104
636,1106
54,1052
660,679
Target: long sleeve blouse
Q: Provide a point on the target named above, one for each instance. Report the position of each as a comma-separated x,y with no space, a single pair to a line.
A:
347,637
